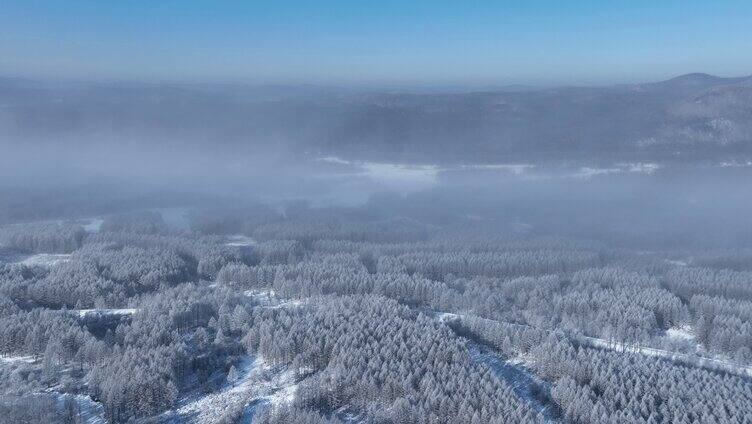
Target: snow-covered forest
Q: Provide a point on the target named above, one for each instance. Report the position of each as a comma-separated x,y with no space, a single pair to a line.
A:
387,312
384,212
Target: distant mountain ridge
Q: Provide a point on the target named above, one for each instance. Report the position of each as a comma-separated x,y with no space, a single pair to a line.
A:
690,117
702,79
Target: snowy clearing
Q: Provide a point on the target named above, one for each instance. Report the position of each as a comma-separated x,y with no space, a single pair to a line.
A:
88,313
258,385
269,299
45,259
210,407
17,359
90,412
239,240
587,172
680,333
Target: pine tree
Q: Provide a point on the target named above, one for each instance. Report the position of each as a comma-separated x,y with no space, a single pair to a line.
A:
232,375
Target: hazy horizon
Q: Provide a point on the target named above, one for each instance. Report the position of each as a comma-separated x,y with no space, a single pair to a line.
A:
383,86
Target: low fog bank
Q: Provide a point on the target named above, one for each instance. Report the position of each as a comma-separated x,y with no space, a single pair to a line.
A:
645,206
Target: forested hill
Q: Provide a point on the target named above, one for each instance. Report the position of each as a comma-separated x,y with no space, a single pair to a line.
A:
684,118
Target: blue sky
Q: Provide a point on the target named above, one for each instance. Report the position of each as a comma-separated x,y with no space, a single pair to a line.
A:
433,42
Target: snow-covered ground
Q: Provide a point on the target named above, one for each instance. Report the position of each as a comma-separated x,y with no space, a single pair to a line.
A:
90,224
210,407
239,240
522,381
263,297
348,415
681,333
45,259
715,364
84,313
642,167
516,169
695,360
586,172
269,299
17,359
259,385
676,262
736,164
91,412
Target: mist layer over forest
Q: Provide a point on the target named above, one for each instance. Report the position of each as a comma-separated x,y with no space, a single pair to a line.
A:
223,254
679,142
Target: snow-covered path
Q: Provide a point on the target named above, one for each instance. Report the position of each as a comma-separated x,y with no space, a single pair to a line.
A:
523,382
17,359
704,362
713,364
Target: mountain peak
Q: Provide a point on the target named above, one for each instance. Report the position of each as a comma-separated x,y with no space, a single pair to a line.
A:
695,78
699,79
